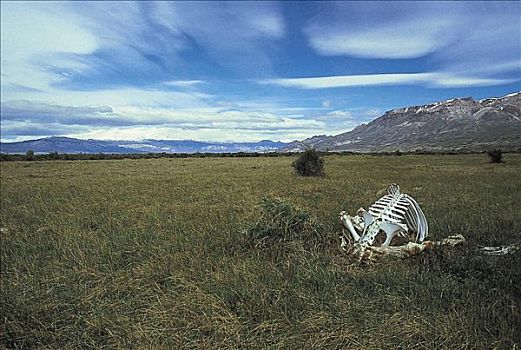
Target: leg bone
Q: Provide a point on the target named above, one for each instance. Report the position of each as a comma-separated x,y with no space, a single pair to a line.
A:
347,223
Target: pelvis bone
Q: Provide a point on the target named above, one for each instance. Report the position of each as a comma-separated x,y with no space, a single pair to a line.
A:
395,214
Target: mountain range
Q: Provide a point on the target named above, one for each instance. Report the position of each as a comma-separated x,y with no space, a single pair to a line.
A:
461,124
72,145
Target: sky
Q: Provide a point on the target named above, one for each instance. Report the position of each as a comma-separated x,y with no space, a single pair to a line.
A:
243,71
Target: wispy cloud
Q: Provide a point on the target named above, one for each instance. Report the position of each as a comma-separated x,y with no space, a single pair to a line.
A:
115,97
222,70
24,119
233,33
200,134
428,79
411,38
183,83
94,45
33,37
217,123
85,68
456,36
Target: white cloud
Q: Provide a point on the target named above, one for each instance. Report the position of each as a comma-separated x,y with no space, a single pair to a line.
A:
232,33
37,35
27,120
389,30
48,44
326,104
408,39
348,80
340,114
114,97
434,79
22,118
459,36
202,134
450,80
339,121
183,83
36,29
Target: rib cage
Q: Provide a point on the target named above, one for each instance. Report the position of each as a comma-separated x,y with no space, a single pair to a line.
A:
397,207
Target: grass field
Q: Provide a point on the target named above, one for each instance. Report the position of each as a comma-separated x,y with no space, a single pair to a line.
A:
135,253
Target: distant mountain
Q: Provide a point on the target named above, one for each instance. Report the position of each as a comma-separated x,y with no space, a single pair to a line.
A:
457,124
72,145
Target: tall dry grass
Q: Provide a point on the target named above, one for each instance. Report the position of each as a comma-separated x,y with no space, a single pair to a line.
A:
135,253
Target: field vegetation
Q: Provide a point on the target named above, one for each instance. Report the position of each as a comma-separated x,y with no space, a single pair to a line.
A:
194,253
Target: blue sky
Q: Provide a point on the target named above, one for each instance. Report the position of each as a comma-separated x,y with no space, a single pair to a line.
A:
243,71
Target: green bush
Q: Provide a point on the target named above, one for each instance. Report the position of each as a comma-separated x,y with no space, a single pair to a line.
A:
281,221
309,163
496,156
29,155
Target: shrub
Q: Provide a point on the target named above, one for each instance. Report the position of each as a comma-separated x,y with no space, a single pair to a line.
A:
309,163
281,221
29,155
54,155
496,156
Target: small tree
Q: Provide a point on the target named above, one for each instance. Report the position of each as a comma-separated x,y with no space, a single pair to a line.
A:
496,156
309,163
29,155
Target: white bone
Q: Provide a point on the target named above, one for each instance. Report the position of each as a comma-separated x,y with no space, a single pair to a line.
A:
358,222
343,244
346,221
364,252
368,218
391,230
394,214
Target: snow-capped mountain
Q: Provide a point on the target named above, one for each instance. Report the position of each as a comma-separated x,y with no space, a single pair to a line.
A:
72,145
456,124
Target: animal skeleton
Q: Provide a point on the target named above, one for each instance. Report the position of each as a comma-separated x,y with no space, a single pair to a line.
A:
396,214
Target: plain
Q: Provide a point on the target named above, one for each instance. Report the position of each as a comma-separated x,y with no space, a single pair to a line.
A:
153,252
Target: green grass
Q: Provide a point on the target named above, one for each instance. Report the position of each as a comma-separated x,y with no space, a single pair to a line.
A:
134,253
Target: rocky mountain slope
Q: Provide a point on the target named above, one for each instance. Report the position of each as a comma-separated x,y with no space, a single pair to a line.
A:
457,124
72,145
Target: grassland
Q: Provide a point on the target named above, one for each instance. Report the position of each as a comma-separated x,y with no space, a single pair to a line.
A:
136,253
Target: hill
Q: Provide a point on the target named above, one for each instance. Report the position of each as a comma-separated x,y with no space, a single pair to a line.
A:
457,124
